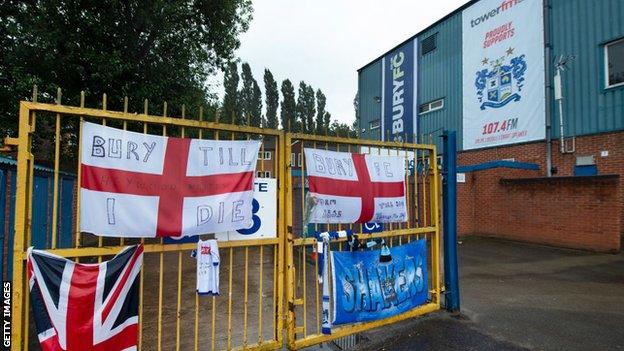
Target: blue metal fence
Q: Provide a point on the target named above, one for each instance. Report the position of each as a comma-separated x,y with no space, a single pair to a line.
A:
43,188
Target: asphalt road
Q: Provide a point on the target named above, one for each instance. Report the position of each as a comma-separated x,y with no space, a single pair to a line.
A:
516,297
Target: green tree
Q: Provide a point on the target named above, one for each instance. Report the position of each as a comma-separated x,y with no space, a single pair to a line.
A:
310,109
230,98
306,108
250,99
245,94
342,130
326,121
271,99
321,101
255,109
288,111
301,107
159,50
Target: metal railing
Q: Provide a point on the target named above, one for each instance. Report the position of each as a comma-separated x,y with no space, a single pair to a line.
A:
258,275
302,287
171,315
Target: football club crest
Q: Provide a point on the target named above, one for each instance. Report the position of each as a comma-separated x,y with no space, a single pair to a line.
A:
502,82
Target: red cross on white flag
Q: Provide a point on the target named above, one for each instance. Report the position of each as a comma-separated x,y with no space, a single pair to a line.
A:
356,188
140,185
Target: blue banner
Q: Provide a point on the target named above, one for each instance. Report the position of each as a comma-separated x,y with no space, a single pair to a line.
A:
399,103
365,289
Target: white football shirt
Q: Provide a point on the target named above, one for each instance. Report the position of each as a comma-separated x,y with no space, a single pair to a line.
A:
207,267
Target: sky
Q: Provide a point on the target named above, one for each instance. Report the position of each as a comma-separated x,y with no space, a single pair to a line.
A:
325,42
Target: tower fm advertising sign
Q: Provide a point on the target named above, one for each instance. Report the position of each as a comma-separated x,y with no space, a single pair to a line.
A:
503,73
398,93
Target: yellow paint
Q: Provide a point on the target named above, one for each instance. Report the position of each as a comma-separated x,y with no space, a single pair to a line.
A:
284,316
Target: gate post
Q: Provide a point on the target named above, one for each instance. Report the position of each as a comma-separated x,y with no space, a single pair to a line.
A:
449,190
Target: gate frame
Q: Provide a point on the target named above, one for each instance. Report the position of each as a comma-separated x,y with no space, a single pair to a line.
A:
23,209
285,274
434,228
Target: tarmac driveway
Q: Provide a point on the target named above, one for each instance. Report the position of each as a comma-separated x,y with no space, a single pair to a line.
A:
517,296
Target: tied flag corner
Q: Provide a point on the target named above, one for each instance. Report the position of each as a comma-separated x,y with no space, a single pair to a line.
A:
355,188
175,186
79,306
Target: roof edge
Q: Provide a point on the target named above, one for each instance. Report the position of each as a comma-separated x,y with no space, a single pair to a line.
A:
447,16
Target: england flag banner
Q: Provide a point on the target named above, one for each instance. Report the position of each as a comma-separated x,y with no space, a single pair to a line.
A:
79,306
355,188
140,185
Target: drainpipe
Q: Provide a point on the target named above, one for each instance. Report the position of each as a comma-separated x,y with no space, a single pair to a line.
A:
548,86
559,99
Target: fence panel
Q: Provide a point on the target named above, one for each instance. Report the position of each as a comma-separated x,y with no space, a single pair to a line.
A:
256,275
303,290
247,314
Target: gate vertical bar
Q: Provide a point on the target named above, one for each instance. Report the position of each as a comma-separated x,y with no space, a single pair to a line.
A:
449,184
289,277
282,233
21,227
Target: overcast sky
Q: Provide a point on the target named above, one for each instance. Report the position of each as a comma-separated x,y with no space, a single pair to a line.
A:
324,42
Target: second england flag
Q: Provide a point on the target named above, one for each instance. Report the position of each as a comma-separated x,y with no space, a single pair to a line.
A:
141,185
355,188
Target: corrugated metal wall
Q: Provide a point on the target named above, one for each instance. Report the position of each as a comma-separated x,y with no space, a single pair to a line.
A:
439,75
369,88
41,213
580,28
577,27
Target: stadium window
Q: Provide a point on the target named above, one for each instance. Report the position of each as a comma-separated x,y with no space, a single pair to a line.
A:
376,124
429,44
431,106
263,174
614,63
264,156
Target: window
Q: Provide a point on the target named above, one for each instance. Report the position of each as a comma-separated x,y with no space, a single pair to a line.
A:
295,157
264,156
429,44
376,124
431,106
263,174
614,63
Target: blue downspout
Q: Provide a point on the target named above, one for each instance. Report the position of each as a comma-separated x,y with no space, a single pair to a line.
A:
449,207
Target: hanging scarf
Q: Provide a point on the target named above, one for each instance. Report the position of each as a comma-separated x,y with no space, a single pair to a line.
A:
323,253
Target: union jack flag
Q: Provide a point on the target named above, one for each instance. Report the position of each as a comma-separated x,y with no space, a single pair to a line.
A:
80,307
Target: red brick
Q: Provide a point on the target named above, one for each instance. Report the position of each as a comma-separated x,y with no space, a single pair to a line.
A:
583,214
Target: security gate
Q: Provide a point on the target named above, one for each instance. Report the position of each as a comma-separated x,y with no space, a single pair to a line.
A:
304,317
250,313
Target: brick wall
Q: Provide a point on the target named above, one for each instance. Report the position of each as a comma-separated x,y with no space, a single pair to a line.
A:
547,212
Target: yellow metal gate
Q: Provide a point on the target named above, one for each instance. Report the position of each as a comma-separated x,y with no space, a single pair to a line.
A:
303,291
250,313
